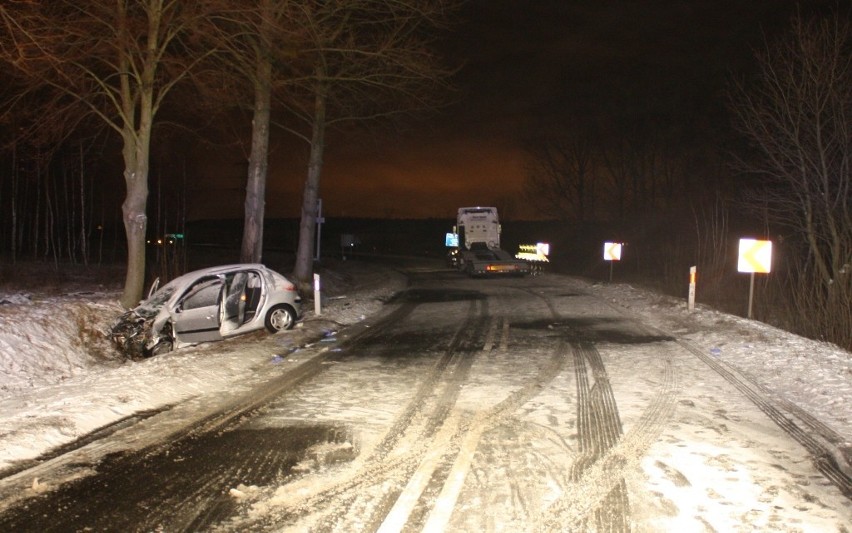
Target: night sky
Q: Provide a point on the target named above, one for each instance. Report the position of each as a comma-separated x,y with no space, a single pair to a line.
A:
528,63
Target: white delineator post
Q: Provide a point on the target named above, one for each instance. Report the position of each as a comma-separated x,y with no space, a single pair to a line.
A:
317,303
691,305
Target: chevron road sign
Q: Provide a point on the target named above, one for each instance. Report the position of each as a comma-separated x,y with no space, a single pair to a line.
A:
755,256
612,251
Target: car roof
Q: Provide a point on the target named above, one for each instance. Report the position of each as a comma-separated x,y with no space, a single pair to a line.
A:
226,268
212,271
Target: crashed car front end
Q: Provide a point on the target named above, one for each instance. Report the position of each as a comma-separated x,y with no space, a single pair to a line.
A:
208,305
140,331
131,333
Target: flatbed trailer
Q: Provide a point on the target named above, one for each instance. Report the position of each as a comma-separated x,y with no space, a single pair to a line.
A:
478,252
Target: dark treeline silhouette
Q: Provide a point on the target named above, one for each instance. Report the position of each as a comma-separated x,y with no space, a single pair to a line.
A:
679,187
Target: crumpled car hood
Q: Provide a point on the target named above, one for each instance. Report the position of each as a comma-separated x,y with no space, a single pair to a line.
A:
129,333
134,332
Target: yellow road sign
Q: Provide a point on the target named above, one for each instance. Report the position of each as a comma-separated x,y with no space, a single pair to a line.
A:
612,251
755,256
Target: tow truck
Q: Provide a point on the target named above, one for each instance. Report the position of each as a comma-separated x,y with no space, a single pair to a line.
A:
475,245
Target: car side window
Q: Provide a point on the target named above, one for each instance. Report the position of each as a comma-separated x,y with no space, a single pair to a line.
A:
204,293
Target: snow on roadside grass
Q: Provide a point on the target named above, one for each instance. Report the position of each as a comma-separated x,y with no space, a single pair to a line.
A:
816,376
46,341
60,378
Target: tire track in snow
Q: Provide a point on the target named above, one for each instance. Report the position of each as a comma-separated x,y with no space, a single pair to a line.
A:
599,429
473,431
442,426
441,464
599,471
820,447
448,484
453,446
423,414
823,458
599,488
596,488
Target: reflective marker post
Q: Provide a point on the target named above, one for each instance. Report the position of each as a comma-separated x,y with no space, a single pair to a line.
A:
691,305
317,303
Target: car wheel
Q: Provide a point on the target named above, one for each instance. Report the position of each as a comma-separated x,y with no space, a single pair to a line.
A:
164,346
280,317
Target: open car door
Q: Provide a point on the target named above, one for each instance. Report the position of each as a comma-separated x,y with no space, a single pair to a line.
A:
197,314
243,296
233,309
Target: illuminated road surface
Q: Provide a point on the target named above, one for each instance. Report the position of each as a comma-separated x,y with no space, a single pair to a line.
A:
472,405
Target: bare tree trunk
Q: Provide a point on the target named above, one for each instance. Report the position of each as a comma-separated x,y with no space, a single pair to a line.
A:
303,271
84,249
134,217
159,269
14,176
183,243
137,123
69,217
35,218
252,246
48,210
101,232
49,221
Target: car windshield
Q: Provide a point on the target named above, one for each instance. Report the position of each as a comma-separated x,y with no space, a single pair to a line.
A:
160,297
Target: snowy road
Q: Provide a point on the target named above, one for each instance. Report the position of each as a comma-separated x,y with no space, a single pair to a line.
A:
472,405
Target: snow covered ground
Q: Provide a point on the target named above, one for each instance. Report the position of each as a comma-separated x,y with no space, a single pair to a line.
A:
60,379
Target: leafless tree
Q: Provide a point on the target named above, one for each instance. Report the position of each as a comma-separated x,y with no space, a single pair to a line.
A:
361,60
797,117
562,175
310,65
256,44
112,60
639,166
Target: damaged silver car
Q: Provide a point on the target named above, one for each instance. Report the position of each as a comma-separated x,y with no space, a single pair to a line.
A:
208,305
